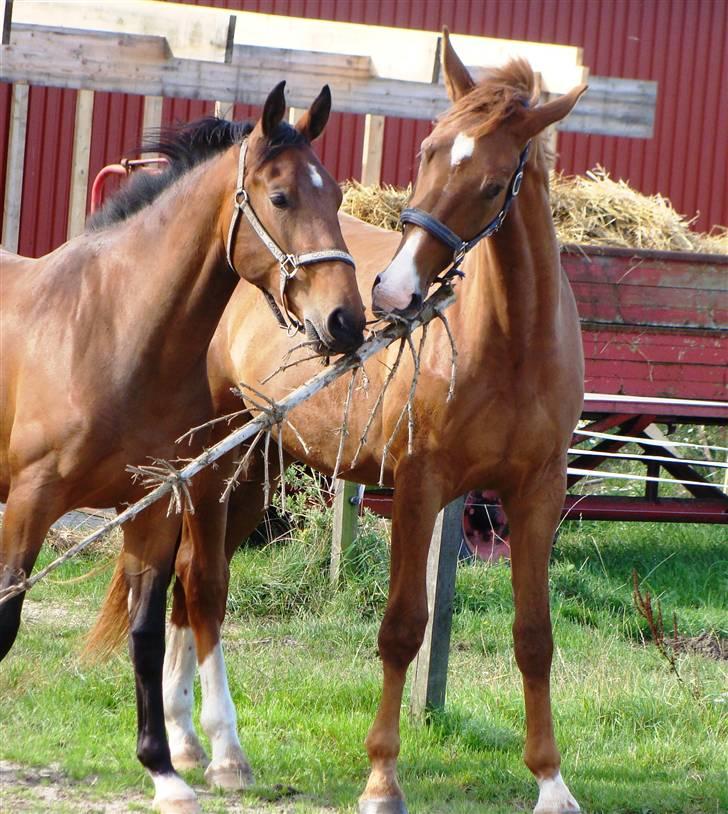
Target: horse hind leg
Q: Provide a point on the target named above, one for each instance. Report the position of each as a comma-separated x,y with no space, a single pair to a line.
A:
197,613
149,546
31,509
533,521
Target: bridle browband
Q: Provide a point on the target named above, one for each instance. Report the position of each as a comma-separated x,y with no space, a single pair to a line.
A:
460,247
289,264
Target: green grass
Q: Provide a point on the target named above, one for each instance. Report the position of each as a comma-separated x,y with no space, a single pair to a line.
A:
306,679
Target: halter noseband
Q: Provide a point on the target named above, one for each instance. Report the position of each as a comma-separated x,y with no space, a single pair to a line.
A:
460,247
289,264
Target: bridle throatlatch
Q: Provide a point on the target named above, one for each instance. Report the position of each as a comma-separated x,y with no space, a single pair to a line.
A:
289,264
460,247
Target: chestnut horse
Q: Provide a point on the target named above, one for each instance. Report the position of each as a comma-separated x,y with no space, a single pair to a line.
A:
104,345
517,398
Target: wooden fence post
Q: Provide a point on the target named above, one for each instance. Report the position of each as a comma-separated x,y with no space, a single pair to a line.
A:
371,161
15,166
346,517
152,116
429,679
80,162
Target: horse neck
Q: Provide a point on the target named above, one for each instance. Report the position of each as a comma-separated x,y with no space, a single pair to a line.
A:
178,273
513,280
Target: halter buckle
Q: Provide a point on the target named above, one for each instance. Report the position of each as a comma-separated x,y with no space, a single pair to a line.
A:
516,188
289,266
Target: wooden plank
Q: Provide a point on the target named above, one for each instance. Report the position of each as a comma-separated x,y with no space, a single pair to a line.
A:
193,32
346,519
15,166
371,162
143,64
80,162
7,16
429,681
152,119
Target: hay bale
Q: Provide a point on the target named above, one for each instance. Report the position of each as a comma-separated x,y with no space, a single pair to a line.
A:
590,210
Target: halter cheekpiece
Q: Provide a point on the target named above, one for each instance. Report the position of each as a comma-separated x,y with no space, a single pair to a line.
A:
460,247
289,264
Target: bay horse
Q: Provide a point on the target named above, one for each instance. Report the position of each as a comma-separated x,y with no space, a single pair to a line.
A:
104,345
518,395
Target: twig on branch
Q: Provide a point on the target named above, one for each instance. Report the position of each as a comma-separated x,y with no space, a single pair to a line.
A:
344,430
408,406
377,403
453,355
267,418
162,471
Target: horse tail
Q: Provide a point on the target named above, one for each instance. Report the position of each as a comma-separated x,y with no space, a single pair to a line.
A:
112,624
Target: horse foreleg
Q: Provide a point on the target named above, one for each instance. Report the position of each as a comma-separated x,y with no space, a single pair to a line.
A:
31,509
149,544
533,519
417,499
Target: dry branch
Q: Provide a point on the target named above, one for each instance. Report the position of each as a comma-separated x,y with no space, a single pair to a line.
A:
275,414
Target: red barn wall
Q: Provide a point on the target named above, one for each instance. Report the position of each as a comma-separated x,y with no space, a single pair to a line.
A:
681,44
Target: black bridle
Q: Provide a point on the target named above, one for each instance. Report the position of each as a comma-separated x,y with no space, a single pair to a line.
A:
289,264
460,247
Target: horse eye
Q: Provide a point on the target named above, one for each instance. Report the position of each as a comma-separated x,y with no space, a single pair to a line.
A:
279,200
491,190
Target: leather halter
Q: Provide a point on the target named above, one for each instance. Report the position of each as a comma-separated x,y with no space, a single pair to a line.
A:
460,247
289,264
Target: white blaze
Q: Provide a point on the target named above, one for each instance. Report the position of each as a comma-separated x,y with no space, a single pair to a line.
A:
316,178
401,277
462,148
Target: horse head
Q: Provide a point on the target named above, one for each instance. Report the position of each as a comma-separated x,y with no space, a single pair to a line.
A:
470,173
298,259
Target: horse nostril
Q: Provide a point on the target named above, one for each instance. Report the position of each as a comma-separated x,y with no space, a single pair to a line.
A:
377,280
415,304
345,329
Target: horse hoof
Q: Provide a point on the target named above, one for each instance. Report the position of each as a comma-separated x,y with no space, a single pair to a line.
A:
177,807
192,757
391,805
229,776
555,798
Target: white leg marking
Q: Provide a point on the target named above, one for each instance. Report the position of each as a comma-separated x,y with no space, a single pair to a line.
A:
229,767
462,148
316,178
172,794
554,797
399,282
180,664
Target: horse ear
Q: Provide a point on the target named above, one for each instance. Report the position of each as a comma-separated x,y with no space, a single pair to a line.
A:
458,80
538,118
313,121
273,110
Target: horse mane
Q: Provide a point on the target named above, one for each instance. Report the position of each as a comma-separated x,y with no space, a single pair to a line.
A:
495,97
185,146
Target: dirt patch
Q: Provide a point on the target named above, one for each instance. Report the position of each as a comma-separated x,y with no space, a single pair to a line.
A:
29,790
705,644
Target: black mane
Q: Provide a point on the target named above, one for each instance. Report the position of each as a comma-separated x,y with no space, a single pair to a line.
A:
184,146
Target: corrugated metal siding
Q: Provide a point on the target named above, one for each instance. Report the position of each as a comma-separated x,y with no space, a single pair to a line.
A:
681,44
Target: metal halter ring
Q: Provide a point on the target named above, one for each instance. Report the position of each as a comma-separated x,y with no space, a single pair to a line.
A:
289,266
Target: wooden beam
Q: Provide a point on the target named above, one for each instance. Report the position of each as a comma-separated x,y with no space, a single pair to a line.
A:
429,681
15,166
7,20
144,65
80,162
346,519
373,148
152,117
